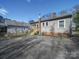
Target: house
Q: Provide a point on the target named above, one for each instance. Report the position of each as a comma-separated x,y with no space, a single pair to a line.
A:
2,26
9,26
55,26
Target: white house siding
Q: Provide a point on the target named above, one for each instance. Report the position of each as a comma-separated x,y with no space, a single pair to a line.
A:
45,28
66,26
11,30
53,26
16,29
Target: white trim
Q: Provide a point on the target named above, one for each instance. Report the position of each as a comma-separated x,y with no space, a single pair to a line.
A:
58,23
64,23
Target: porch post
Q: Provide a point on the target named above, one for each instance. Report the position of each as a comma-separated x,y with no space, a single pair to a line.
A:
39,26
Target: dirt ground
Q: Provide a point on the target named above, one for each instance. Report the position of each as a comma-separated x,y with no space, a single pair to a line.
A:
52,48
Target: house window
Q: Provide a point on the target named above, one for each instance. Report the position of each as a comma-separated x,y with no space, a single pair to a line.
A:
37,25
43,24
46,23
61,24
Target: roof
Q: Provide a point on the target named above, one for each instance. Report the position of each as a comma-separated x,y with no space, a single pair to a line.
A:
56,18
9,22
2,24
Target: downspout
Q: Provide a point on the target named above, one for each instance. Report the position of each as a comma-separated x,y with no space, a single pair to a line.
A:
71,25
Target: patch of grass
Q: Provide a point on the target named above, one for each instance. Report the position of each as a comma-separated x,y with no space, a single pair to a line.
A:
12,36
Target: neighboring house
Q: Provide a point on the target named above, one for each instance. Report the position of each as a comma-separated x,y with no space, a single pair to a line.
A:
55,26
13,27
2,26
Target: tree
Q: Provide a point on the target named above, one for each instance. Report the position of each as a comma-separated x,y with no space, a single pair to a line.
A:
63,12
76,7
31,21
53,15
2,19
76,20
76,16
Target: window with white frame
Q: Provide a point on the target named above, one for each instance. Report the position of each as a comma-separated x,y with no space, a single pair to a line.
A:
61,24
46,23
43,24
37,25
